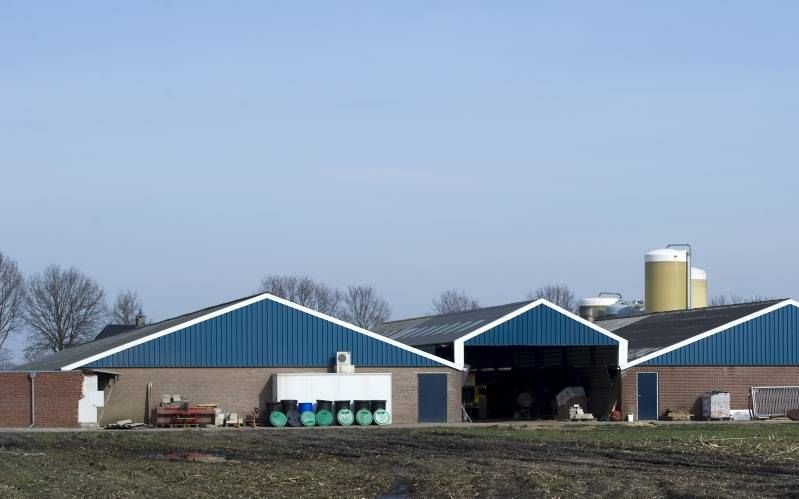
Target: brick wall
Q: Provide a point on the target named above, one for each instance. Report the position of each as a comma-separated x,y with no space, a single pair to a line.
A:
56,399
681,387
241,389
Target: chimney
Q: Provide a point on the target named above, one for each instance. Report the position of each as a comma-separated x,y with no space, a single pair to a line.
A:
139,321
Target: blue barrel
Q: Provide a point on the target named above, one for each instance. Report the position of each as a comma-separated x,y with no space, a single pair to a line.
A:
305,407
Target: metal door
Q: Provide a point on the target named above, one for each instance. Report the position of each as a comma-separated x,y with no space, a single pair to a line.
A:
647,396
433,398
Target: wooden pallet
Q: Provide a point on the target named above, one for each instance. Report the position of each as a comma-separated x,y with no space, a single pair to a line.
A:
180,425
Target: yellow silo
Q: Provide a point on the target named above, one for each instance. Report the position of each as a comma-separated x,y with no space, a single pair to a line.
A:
665,273
698,288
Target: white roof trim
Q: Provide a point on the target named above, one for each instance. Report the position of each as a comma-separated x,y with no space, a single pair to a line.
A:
250,301
460,342
711,332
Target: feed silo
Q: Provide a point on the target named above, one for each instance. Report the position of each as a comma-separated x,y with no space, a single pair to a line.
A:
698,288
665,275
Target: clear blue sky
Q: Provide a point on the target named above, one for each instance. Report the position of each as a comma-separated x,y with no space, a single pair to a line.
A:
184,149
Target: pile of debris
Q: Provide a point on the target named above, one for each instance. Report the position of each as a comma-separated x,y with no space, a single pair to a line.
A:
124,424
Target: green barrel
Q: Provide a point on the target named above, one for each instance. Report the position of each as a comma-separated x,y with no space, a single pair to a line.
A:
324,418
277,419
382,417
308,418
364,417
345,417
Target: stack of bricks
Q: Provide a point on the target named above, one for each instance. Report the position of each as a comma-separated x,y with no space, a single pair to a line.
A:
56,399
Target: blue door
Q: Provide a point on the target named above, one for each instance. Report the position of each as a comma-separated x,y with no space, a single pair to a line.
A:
433,398
647,396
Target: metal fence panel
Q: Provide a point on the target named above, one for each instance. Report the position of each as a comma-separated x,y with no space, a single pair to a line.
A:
772,401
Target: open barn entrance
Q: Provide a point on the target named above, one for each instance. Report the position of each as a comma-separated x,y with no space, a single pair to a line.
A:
523,382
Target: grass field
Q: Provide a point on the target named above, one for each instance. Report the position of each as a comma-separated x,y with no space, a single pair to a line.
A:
598,460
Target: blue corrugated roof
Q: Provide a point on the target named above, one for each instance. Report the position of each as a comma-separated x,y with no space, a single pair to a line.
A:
260,331
771,339
541,326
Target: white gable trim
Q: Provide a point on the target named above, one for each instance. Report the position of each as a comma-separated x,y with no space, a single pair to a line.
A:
459,344
250,301
711,332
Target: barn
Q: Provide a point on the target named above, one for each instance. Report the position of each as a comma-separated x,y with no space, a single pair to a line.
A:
520,356
231,354
645,364
675,357
496,363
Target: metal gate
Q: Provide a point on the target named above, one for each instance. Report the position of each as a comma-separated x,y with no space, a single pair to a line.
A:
772,401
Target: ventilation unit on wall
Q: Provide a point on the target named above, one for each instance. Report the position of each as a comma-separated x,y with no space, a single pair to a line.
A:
344,362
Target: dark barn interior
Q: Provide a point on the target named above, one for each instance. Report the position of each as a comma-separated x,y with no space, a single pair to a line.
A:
522,382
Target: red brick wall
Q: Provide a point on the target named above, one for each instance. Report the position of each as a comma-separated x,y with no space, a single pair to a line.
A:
681,387
56,399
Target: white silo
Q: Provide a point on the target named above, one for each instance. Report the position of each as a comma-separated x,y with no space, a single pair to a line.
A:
698,288
593,307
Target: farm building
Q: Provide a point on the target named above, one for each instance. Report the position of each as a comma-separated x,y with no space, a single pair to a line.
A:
504,362
529,351
674,357
521,355
232,354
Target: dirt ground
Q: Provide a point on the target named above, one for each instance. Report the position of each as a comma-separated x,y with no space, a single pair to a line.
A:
585,460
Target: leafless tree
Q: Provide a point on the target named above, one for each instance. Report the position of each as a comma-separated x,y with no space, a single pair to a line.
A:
559,294
63,308
126,307
734,299
12,295
453,300
363,307
6,363
304,291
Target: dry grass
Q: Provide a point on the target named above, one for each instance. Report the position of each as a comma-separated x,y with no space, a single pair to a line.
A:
597,460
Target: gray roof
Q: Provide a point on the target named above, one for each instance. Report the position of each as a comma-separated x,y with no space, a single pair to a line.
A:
113,330
446,328
649,333
78,353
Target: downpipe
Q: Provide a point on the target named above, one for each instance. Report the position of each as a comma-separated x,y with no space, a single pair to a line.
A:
32,376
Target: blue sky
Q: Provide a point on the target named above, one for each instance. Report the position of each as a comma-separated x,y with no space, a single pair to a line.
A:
185,149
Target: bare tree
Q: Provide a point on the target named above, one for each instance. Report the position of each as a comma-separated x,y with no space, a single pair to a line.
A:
126,307
559,294
304,291
6,363
734,299
63,308
363,307
453,300
12,295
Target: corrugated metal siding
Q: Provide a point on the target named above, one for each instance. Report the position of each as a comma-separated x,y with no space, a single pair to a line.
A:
263,334
541,326
769,340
